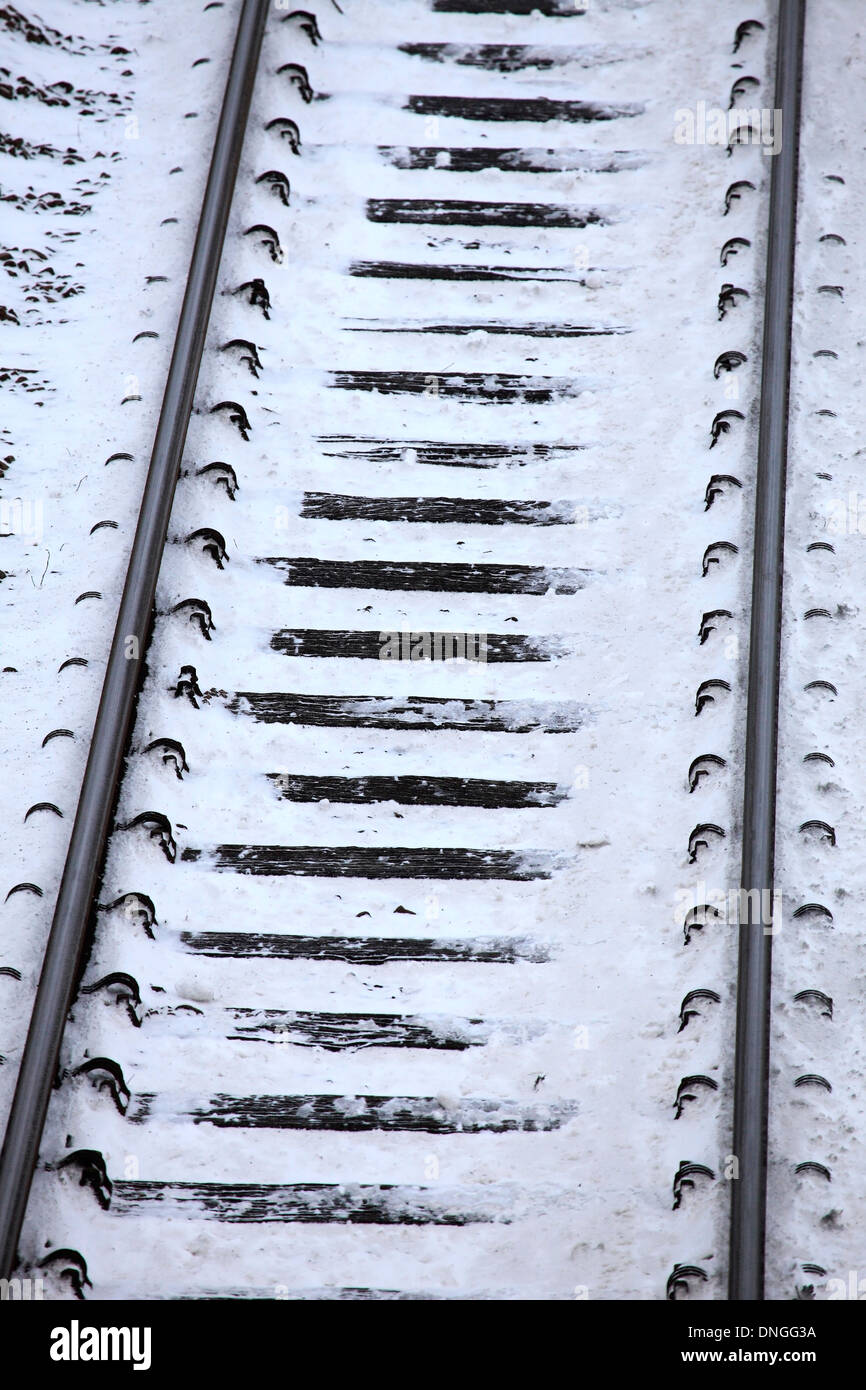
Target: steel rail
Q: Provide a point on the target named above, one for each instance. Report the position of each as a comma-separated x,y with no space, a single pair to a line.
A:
86,853
751,1066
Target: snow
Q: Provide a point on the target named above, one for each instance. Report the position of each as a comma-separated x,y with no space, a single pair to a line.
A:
587,1206
810,1220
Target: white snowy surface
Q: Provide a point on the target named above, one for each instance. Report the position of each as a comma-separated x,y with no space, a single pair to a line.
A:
593,1215
812,1220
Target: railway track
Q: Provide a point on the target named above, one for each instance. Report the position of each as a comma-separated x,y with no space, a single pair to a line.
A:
424,691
